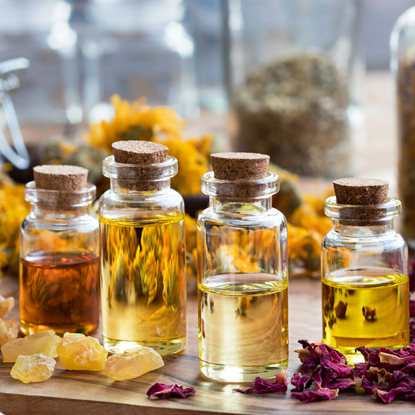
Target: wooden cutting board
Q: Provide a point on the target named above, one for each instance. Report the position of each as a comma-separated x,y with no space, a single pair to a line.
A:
73,393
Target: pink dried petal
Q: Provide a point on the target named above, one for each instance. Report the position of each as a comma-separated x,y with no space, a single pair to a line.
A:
393,359
161,390
263,386
243,389
310,395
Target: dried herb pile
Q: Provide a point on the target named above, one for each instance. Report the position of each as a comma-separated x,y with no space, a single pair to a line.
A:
294,109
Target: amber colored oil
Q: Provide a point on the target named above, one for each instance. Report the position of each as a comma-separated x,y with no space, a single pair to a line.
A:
365,307
243,326
59,291
143,284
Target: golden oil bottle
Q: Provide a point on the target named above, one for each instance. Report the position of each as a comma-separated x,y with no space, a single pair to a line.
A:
242,272
143,281
365,286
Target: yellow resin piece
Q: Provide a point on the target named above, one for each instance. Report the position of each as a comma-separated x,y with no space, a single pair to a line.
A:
35,368
44,342
6,304
8,330
133,363
80,352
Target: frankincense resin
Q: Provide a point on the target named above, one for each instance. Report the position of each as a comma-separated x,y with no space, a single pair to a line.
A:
59,290
34,368
133,363
44,342
79,352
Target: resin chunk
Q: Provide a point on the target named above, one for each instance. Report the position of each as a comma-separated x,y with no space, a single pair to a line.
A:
80,352
44,342
35,368
133,363
6,304
8,330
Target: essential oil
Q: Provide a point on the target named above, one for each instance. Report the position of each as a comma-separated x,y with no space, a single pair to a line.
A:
365,306
59,291
243,322
143,284
242,272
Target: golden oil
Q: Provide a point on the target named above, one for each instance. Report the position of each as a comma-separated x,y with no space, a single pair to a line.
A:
366,306
143,283
243,326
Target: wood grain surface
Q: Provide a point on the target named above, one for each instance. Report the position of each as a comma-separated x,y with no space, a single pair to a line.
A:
73,393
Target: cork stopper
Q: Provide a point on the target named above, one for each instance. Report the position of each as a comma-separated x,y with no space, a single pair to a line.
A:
365,195
362,192
65,178
239,166
139,152
143,178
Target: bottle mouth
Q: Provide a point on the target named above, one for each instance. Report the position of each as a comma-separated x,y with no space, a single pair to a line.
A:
368,213
241,189
61,199
139,172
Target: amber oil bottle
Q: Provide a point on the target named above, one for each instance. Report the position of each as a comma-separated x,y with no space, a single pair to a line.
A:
59,266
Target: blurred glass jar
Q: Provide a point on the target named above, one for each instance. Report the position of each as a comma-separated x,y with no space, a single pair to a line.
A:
83,51
26,31
295,73
146,51
402,45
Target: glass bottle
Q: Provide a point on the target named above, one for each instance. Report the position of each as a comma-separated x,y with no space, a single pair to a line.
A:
403,67
365,287
143,281
242,280
59,266
295,82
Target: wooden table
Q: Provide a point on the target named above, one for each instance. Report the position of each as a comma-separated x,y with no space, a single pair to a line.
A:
73,393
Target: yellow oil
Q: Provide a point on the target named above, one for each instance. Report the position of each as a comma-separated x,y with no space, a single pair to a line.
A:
366,306
143,284
243,326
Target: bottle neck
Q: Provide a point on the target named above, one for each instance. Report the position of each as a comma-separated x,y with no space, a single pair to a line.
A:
49,213
370,229
240,207
127,188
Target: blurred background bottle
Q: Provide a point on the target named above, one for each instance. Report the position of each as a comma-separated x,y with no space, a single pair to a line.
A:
402,44
294,81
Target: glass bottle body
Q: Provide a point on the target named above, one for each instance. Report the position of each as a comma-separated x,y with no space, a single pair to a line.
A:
242,290
365,286
59,265
143,259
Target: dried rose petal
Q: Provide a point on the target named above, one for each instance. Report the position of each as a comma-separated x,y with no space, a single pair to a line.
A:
392,359
399,383
281,378
412,308
263,386
381,373
161,390
310,395
301,382
243,389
